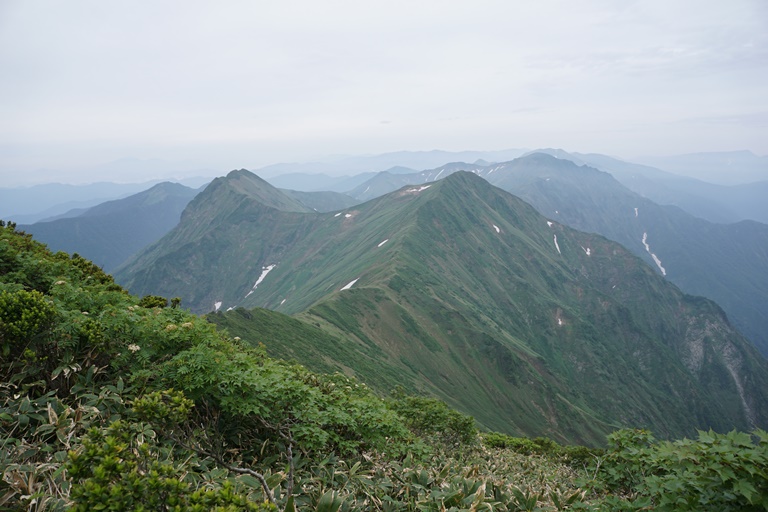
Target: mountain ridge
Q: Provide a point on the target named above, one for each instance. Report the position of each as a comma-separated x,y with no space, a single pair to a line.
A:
726,263
475,297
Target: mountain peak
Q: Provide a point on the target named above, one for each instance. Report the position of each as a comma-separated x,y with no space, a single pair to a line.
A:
243,185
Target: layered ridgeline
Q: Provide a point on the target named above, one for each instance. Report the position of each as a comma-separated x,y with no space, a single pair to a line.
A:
724,262
112,231
459,289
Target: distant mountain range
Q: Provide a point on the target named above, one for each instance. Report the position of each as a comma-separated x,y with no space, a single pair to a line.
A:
724,168
27,205
715,203
110,232
723,262
460,289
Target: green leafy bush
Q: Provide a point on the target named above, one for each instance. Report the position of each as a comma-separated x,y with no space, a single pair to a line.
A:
432,419
716,472
122,468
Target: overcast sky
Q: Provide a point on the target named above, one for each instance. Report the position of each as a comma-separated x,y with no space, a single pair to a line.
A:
236,84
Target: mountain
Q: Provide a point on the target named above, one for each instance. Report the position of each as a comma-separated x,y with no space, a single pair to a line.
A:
31,204
461,290
112,231
725,168
207,235
311,182
724,262
322,201
709,201
345,165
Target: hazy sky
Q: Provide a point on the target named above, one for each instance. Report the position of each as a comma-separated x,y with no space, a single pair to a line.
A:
247,83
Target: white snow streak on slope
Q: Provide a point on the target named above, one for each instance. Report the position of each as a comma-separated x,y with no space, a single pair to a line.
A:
425,187
557,246
496,228
347,215
282,302
438,174
367,189
382,243
549,223
349,284
264,272
337,214
635,212
655,258
217,305
587,250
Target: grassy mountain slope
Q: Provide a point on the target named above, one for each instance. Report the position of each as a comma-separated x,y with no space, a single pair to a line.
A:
189,260
469,294
322,201
111,232
727,263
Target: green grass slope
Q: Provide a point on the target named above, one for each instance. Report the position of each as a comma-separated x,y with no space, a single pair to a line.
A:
727,263
525,324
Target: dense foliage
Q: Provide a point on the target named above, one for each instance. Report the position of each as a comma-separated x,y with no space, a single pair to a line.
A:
111,402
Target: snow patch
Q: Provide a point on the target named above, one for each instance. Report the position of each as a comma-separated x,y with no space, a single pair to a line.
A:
588,251
438,174
216,305
559,321
549,223
382,243
264,272
557,246
230,308
367,189
282,302
655,258
635,212
415,190
337,214
347,215
349,284
496,228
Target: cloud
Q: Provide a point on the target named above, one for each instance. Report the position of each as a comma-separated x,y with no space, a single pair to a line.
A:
242,77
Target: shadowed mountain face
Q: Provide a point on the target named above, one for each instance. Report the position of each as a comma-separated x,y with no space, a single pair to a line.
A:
459,289
110,232
724,262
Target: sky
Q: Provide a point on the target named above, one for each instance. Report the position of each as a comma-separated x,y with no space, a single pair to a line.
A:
225,85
